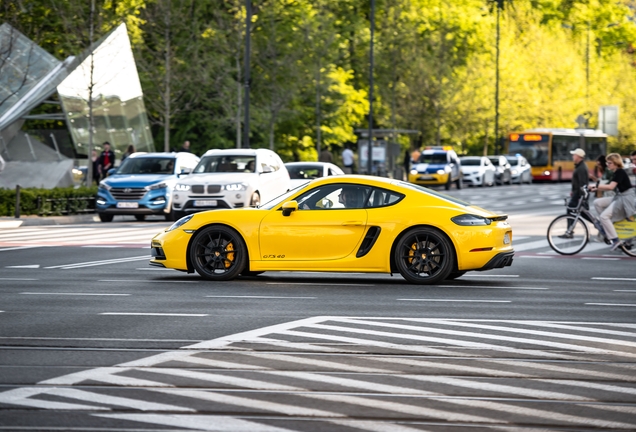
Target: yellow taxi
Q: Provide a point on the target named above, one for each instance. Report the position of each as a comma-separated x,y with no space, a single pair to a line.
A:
346,223
437,165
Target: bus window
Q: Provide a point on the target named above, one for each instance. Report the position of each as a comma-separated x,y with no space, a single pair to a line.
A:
595,146
562,146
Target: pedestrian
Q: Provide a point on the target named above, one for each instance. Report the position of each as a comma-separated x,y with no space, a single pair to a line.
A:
325,155
618,207
347,160
130,150
2,163
106,160
185,147
95,162
602,175
407,164
580,176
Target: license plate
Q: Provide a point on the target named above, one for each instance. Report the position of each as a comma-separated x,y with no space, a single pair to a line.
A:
205,203
127,205
426,177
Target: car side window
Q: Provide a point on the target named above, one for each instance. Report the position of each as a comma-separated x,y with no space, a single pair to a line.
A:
382,198
334,197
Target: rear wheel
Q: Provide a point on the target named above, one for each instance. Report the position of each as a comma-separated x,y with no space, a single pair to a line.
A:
140,218
566,236
449,183
424,256
105,217
218,253
458,183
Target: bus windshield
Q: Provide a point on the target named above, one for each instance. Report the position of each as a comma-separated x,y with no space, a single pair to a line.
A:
535,148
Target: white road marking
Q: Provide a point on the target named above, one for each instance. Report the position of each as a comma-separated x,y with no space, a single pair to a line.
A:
491,287
562,369
454,300
260,297
624,290
22,396
534,412
590,385
490,276
87,396
453,367
208,423
153,281
419,411
19,279
374,425
72,294
534,256
319,284
98,339
258,404
31,266
610,304
154,314
102,262
318,363
17,248
601,259
105,375
613,279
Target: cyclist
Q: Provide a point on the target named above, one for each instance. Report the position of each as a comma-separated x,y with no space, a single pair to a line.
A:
619,207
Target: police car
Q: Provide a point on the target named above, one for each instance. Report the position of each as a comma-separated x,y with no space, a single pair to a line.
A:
437,166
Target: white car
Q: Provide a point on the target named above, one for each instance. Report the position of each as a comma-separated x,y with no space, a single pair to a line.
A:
303,172
478,171
231,178
520,169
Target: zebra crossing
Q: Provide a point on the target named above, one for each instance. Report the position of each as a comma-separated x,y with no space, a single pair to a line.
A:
80,235
369,374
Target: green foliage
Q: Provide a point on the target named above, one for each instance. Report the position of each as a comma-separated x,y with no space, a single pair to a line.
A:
48,202
435,67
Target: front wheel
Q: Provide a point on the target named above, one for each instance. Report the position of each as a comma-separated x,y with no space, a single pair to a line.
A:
104,217
629,246
568,235
140,218
424,256
218,253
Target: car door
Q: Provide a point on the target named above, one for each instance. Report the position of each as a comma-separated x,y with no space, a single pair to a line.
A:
321,229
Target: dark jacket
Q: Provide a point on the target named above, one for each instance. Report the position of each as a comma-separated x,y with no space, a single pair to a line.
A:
580,178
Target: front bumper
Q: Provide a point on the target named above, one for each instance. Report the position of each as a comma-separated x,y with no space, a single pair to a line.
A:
153,202
429,179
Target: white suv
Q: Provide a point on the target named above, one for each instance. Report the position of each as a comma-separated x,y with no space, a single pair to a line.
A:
231,178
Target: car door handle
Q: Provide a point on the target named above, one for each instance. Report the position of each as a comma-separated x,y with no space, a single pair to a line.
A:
352,223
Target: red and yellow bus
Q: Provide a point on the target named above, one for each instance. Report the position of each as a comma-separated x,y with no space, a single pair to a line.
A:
548,150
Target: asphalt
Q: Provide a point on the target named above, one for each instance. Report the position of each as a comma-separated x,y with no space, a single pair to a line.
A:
9,222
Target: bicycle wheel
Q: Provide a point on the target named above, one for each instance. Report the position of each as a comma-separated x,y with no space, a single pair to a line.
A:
568,241
629,246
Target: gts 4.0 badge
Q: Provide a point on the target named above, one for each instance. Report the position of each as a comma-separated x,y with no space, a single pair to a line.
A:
273,256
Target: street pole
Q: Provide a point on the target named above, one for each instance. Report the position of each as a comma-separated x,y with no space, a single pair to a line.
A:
499,6
370,141
89,156
246,123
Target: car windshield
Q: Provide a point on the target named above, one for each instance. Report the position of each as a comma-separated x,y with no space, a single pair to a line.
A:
433,158
147,165
470,162
304,171
495,161
226,163
434,193
513,160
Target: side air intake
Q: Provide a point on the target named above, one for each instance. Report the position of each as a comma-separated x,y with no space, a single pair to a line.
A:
369,241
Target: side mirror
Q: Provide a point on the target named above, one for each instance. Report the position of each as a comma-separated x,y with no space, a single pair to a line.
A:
289,207
267,169
110,172
184,172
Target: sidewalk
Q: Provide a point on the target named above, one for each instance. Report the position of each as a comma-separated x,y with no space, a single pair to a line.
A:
9,222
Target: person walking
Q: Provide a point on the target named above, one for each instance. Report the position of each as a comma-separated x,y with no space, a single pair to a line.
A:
106,160
618,207
95,162
130,150
347,160
325,155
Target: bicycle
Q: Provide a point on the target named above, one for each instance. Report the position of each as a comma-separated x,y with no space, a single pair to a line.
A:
568,234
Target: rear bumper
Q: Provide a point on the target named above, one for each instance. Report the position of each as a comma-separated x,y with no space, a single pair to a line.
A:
500,260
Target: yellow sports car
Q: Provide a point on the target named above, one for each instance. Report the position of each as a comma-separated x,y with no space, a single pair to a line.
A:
341,224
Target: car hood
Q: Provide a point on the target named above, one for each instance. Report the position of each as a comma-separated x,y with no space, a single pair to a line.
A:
138,180
218,178
472,168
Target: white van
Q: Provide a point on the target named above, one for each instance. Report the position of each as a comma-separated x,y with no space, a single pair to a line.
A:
231,178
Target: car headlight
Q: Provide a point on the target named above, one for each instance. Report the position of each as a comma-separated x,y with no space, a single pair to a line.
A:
182,187
441,171
471,220
104,185
414,171
180,222
513,172
235,187
155,186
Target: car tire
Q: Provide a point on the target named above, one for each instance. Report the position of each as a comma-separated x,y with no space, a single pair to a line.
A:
105,217
255,200
140,218
449,183
251,273
218,253
424,255
458,183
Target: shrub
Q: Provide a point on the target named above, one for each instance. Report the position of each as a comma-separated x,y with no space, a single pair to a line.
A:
49,202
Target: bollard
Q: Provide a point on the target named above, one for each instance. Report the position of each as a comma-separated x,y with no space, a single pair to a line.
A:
17,201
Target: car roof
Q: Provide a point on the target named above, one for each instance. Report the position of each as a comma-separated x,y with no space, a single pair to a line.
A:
237,152
160,155
471,157
311,163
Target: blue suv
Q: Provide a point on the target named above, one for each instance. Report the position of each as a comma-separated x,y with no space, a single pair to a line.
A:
142,185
